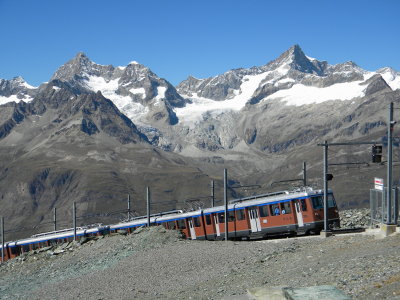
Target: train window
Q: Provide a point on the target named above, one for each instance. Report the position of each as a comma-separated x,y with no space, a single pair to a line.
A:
240,214
221,217
275,210
264,211
231,216
181,224
285,208
208,219
303,204
331,201
171,225
196,222
14,250
317,202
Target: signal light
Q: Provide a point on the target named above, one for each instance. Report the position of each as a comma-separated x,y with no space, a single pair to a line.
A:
329,177
376,153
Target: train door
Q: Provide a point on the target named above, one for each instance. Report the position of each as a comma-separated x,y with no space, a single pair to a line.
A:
299,213
254,218
192,230
216,222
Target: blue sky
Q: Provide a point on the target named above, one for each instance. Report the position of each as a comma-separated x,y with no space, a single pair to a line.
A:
200,38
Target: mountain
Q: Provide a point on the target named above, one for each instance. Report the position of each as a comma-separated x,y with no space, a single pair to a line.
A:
15,90
289,84
94,133
69,143
134,89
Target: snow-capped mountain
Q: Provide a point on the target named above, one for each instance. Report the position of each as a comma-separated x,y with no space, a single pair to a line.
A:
218,112
135,89
293,78
15,90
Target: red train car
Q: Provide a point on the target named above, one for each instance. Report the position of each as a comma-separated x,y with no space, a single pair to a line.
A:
287,212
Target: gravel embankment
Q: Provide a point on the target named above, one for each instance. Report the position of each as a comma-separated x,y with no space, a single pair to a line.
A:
157,264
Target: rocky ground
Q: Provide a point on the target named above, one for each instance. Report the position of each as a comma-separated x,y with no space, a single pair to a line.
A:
355,218
158,264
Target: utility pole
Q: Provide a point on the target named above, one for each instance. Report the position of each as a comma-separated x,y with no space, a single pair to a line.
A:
390,165
2,239
226,202
55,219
326,186
212,194
129,207
74,219
148,206
304,174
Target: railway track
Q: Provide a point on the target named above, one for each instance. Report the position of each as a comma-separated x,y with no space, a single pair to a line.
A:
348,230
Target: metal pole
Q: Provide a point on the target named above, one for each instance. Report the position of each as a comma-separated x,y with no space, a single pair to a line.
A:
55,218
396,205
304,174
212,194
226,203
129,207
2,239
74,219
325,186
148,207
390,165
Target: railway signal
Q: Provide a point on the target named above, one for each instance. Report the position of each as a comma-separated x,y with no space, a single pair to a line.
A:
329,177
377,153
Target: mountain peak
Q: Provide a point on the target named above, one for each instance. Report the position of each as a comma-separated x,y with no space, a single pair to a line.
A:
296,50
18,79
80,59
293,55
79,66
295,59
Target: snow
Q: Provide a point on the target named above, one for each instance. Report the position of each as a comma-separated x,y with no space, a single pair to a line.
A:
13,98
391,78
193,113
25,84
56,88
310,58
138,91
134,111
300,94
124,103
160,95
96,83
121,68
285,80
161,92
283,69
133,62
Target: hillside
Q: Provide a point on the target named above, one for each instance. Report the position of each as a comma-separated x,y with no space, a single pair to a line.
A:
156,263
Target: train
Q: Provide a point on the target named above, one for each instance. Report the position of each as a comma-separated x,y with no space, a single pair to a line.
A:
287,212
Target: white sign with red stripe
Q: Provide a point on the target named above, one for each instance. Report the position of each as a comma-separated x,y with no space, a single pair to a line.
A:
378,184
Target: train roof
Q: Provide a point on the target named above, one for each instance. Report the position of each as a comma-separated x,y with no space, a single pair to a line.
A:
256,200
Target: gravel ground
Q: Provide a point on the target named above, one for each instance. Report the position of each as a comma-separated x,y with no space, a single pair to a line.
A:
157,264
